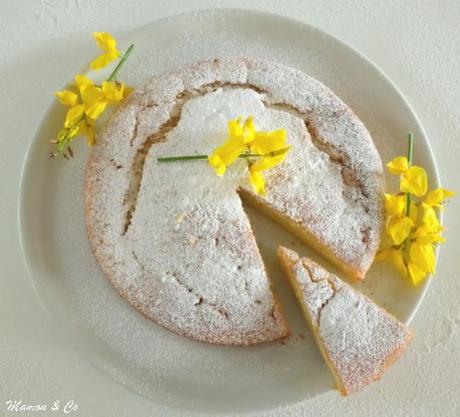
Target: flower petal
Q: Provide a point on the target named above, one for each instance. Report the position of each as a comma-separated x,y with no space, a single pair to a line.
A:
399,229
257,182
413,212
416,274
263,164
216,162
398,165
103,60
105,41
113,91
249,130
66,97
430,219
423,256
437,196
91,137
430,238
414,181
94,102
83,82
395,256
74,114
266,142
232,148
234,127
395,205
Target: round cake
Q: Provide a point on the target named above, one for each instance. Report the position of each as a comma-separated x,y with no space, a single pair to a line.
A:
173,238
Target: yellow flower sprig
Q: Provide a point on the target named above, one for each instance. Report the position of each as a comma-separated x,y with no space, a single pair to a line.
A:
412,226
261,149
87,101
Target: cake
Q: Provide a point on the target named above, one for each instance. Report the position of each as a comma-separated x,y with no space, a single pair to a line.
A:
174,239
357,338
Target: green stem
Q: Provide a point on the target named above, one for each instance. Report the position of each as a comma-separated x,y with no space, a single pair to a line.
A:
181,158
120,64
410,146
202,156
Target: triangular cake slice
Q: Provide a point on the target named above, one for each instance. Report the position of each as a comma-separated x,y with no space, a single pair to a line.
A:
357,338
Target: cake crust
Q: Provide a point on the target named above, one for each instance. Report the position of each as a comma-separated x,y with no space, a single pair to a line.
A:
175,242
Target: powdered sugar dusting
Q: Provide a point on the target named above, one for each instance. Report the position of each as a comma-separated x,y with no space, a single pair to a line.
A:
360,338
174,238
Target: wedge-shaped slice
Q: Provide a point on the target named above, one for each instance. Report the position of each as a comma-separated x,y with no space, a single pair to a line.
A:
357,338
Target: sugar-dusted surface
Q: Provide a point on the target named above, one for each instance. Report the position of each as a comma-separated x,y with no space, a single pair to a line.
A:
174,238
359,338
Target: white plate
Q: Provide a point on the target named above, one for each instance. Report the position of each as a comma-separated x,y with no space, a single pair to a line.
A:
112,336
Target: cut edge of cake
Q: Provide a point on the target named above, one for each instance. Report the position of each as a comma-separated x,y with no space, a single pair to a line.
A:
353,272
351,377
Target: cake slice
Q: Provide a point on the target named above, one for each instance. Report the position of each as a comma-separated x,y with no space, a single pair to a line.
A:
357,338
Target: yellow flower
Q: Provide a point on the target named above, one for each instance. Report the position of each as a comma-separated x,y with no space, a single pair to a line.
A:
257,181
274,158
395,205
81,117
83,82
436,197
249,130
426,238
399,229
269,147
234,146
255,176
94,101
416,274
234,127
86,128
107,43
430,220
428,231
413,178
74,114
216,162
423,256
410,237
65,134
225,155
398,165
97,98
413,212
414,181
266,142
66,97
113,91
90,135
395,256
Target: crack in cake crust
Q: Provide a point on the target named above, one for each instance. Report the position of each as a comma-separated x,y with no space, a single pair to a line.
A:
348,175
335,156
333,286
161,136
